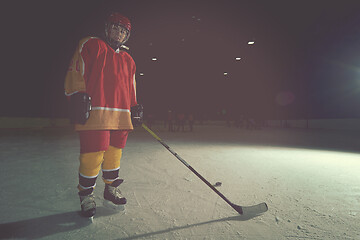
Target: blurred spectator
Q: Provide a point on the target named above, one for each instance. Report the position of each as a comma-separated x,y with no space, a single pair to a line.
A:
191,121
170,120
180,117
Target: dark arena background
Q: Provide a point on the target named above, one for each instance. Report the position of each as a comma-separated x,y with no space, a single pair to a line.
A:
303,62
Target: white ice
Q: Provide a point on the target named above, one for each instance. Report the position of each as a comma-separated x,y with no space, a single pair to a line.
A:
310,180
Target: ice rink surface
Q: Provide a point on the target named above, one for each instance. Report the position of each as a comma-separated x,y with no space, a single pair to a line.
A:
310,180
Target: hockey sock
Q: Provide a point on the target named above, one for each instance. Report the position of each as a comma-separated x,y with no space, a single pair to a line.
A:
90,164
111,164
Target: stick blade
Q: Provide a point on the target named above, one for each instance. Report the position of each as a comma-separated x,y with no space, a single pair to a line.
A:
251,210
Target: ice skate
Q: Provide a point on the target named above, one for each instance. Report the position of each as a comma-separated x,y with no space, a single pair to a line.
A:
88,205
113,197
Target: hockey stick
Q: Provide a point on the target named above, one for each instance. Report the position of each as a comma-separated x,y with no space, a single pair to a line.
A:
256,209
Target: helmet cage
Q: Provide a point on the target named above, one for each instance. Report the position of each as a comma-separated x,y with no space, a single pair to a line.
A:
113,27
117,22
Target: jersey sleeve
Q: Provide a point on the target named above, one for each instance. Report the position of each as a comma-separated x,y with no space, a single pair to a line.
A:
133,92
74,80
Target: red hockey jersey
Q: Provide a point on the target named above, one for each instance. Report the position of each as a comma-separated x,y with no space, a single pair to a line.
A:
108,76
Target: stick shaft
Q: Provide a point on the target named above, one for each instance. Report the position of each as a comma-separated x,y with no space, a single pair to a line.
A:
189,167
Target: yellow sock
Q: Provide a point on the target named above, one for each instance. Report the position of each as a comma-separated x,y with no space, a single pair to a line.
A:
90,163
111,164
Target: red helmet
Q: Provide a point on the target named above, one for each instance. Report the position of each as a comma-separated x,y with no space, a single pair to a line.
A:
119,19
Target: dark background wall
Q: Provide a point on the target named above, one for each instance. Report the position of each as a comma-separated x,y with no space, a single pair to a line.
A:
304,63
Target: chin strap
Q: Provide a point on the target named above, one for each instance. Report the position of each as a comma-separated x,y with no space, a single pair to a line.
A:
125,47
117,47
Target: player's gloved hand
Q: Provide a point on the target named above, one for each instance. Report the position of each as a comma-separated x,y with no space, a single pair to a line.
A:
79,108
137,115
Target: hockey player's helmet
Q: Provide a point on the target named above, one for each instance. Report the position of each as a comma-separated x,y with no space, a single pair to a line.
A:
117,29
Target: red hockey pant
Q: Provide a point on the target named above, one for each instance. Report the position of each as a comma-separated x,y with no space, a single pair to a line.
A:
100,149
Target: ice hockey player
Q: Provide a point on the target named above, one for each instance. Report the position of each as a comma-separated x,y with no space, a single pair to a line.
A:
100,84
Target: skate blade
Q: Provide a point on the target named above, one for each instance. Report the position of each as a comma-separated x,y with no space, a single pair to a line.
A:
113,206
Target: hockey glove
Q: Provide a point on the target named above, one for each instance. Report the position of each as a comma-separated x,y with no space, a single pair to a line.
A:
137,115
80,107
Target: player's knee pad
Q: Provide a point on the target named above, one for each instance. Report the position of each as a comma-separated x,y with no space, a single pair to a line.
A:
90,163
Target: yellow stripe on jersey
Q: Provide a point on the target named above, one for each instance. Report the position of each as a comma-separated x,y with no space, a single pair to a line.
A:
106,119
